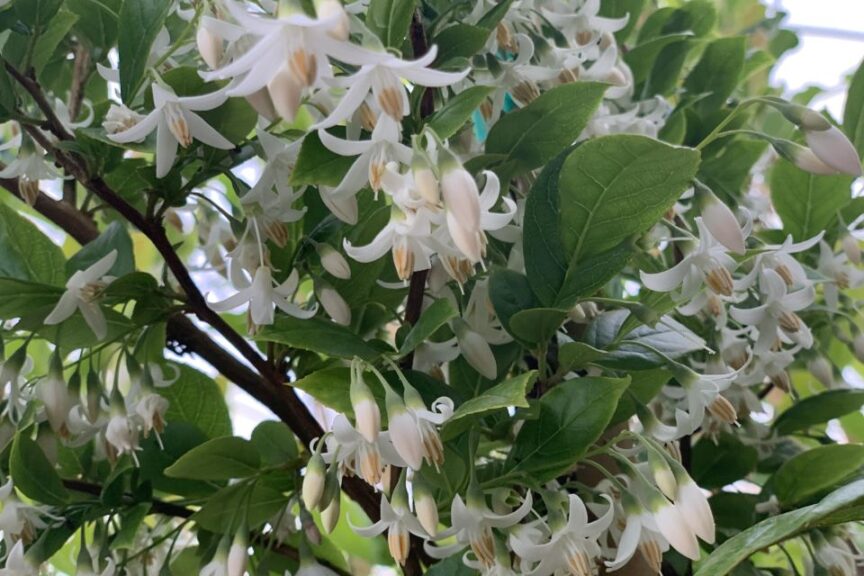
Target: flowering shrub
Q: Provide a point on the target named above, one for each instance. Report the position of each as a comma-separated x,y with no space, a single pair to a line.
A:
534,287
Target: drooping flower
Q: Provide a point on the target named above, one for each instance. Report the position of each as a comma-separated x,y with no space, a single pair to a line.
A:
262,295
176,123
18,564
83,290
56,396
413,426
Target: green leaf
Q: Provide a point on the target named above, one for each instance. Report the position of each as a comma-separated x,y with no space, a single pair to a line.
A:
139,23
572,417
452,566
721,461
589,202
227,509
511,392
490,19
390,20
331,387
727,556
620,8
510,293
115,237
26,253
816,471
644,386
434,317
728,169
217,459
807,203
198,400
576,355
536,325
819,409
53,36
37,13
97,20
317,335
275,443
459,41
316,164
33,474
17,296
853,114
130,521
717,73
643,57
451,117
531,136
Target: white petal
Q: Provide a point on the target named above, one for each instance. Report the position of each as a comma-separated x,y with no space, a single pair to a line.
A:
63,310
203,132
166,149
140,131
95,318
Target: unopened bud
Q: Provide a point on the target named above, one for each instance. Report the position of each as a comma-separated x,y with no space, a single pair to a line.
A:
723,410
425,507
238,555
313,481
335,306
333,261
285,92
426,182
802,157
833,148
476,350
326,9
821,369
330,515
210,46
262,103
723,225
852,249
366,411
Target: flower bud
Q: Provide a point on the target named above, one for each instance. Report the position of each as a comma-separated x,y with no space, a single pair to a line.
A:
333,303
476,350
326,9
695,508
425,180
821,369
238,555
344,208
833,148
209,46
674,527
802,157
462,202
333,261
309,527
285,93
366,411
801,116
404,431
851,248
663,475
53,392
313,481
330,515
262,103
425,507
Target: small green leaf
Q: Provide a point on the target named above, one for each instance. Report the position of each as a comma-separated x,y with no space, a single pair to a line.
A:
819,409
537,325
196,399
450,119
717,73
17,296
275,443
26,253
130,521
807,203
33,474
573,415
331,387
644,386
97,20
533,135
722,460
728,555
226,510
115,237
589,275
51,38
434,317
643,57
316,164
459,41
816,471
576,355
217,459
390,20
139,23
36,13
510,293
490,19
511,392
317,335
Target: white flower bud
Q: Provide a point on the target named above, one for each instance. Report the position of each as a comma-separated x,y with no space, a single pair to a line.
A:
821,369
676,530
802,157
285,92
834,149
366,411
695,509
851,248
406,438
326,9
330,515
723,225
663,475
426,508
210,46
476,350
333,261
119,118
333,303
462,202
344,208
313,482
238,555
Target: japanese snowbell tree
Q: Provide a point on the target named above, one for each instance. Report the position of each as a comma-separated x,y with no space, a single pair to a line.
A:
535,287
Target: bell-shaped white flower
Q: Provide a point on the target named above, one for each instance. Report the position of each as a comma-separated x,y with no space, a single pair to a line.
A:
777,311
218,566
841,274
475,349
640,533
413,426
425,506
29,167
723,225
472,526
834,555
778,257
262,294
83,290
570,548
17,563
176,123
238,554
462,203
20,521
353,454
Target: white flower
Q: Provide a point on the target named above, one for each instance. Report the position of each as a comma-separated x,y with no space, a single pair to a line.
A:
280,157
839,271
694,507
834,555
413,427
238,555
572,547
262,294
313,481
209,42
462,203
821,369
355,455
382,74
833,148
17,564
723,225
55,395
151,408
366,411
472,526
777,311
396,519
175,121
122,435
372,156
19,521
709,263
475,349
83,289
779,258
119,118
29,167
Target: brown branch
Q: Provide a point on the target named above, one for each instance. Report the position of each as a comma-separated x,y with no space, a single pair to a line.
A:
80,74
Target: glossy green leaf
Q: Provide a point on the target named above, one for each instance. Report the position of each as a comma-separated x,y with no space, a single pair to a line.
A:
17,296
458,110
643,57
459,41
819,409
316,164
97,20
722,460
533,135
807,203
816,471
536,325
644,386
510,293
853,113
37,13
734,551
390,20
576,355
26,253
511,392
317,335
717,73
275,442
217,459
434,317
198,400
130,521
226,510
58,27
33,473
572,417
139,23
331,387
588,275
